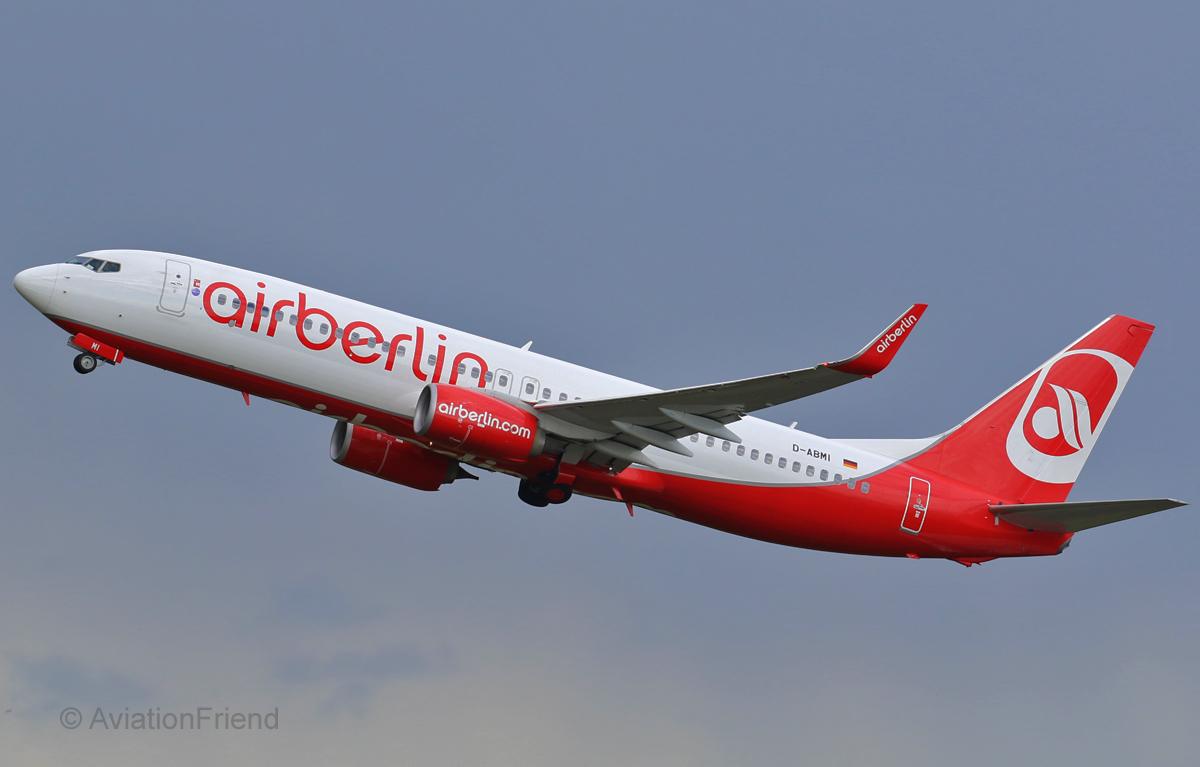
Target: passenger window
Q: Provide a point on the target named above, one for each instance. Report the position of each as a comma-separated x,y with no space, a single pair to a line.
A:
503,382
462,368
850,484
796,466
308,324
824,474
370,342
94,264
725,446
546,393
754,455
710,442
695,438
111,266
337,333
782,462
279,316
401,351
768,459
324,328
293,320
866,487
221,300
249,307
237,303
474,372
264,312
432,359
488,376
837,478
741,450
529,388
810,471
562,397
384,347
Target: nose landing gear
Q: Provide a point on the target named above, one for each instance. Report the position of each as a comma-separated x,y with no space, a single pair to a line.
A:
93,353
86,363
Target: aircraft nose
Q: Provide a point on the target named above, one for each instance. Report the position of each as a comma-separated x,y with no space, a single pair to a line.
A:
36,285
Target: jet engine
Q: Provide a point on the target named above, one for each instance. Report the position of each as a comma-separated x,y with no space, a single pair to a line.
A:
470,421
382,455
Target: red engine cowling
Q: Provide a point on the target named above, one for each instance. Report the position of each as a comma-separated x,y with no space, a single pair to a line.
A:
382,455
472,422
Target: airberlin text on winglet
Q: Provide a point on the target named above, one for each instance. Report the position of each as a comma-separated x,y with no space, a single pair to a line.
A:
876,355
896,332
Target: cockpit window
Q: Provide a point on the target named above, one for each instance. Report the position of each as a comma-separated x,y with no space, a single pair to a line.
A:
95,264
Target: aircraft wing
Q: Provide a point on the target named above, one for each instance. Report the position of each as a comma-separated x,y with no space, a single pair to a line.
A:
1073,517
661,418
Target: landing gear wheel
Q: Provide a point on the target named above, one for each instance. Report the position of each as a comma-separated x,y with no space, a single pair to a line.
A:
86,363
558,493
532,493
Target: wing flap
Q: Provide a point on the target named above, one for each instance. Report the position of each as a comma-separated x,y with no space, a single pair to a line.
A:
1073,517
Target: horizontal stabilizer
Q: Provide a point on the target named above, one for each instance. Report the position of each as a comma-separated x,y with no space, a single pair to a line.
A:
1073,517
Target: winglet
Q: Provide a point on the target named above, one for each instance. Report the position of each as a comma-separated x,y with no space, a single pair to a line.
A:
876,355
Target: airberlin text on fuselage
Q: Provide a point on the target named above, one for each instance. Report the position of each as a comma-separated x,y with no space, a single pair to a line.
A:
358,339
896,332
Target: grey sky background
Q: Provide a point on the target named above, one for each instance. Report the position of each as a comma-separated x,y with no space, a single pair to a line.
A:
672,192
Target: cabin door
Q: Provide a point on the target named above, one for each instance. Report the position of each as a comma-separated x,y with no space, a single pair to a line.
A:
917,509
176,281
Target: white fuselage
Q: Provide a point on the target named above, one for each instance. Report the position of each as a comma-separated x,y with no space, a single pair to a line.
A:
170,302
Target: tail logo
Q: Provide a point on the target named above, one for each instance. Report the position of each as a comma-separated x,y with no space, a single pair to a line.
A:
1064,412
1070,417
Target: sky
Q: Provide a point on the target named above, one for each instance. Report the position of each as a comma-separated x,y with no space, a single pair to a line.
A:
676,193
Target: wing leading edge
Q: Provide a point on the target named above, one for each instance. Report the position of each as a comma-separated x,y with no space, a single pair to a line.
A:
660,418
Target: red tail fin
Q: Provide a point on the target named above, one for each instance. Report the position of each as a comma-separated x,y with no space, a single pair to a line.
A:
1029,444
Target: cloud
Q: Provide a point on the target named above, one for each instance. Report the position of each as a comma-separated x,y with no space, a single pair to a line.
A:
350,680
316,604
50,683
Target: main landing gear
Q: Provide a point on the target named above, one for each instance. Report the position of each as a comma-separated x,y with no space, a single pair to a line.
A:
86,363
543,494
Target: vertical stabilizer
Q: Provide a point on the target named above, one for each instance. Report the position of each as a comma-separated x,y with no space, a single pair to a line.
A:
1030,443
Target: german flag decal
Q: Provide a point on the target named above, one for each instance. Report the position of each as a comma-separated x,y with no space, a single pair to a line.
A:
849,464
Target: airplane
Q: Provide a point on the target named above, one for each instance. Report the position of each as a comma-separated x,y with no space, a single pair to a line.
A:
417,403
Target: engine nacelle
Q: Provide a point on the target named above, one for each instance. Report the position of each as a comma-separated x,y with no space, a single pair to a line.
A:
382,455
467,420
